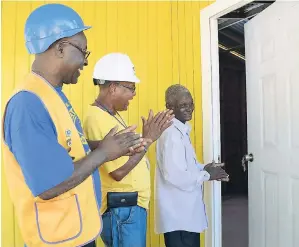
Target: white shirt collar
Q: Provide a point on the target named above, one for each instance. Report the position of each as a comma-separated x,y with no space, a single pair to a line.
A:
183,128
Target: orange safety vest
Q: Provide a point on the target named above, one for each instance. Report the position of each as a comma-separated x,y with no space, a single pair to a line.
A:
71,219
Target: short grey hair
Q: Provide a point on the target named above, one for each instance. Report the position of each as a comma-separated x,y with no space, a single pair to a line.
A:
173,92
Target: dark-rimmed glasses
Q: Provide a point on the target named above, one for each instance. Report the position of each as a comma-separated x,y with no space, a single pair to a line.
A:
85,52
132,89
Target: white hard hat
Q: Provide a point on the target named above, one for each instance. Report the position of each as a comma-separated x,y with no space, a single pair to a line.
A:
115,67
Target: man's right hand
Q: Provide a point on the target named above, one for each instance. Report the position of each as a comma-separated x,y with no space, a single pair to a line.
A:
216,172
116,144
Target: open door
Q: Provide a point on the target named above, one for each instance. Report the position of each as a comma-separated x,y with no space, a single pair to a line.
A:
272,67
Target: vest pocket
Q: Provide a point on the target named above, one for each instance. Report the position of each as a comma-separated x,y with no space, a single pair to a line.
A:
60,220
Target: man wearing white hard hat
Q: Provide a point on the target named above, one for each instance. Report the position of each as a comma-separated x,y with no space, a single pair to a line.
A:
125,181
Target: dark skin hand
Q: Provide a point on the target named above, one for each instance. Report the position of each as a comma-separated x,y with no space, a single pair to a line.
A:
135,149
113,146
216,172
138,148
153,128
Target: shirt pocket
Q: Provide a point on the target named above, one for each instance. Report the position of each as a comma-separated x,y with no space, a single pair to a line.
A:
59,220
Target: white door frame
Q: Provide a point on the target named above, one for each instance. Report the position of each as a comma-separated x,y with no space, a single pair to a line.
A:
211,108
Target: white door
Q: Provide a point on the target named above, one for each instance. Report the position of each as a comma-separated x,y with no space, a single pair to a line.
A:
272,61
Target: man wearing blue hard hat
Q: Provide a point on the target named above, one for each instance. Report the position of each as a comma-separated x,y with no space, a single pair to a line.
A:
51,171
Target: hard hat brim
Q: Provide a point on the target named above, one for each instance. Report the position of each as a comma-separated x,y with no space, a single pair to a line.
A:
135,79
41,45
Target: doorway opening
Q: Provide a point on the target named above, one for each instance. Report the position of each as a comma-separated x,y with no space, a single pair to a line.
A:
233,121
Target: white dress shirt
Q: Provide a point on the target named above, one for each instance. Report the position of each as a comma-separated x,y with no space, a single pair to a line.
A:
178,183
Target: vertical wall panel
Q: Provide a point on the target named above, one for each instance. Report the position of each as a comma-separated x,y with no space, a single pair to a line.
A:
100,36
88,89
189,54
175,42
164,51
196,6
163,41
142,58
142,69
182,42
112,26
152,95
8,76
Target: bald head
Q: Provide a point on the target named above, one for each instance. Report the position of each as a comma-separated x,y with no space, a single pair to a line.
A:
179,99
174,92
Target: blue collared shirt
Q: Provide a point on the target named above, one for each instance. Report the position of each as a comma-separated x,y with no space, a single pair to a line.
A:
32,137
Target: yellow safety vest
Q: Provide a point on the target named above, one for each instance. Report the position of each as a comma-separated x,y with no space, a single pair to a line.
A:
69,220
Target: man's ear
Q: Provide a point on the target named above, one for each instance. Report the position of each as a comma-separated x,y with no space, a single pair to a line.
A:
112,88
168,106
59,50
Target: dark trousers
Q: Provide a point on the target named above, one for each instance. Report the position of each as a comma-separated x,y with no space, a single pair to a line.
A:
91,244
182,239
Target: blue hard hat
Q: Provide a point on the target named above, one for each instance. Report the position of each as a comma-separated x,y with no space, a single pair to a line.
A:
49,23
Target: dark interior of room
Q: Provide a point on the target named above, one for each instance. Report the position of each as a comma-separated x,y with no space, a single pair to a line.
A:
233,121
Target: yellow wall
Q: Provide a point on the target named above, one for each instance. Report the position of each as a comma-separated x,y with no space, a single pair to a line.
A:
163,41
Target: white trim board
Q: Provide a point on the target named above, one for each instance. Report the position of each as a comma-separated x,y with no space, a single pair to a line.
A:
211,108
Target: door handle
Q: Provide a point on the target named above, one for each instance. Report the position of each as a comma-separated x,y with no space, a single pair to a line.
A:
246,158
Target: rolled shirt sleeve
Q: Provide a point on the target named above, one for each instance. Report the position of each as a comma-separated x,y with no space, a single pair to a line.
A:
31,136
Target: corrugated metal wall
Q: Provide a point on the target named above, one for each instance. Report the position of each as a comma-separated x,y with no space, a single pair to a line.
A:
163,41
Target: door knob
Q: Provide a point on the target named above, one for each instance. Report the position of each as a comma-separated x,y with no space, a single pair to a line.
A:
246,158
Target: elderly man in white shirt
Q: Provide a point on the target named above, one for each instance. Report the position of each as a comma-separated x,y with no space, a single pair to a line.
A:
180,211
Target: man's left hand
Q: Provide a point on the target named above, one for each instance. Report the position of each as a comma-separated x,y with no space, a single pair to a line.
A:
140,148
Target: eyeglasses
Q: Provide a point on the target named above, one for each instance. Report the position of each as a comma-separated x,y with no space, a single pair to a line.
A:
132,89
186,106
85,52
